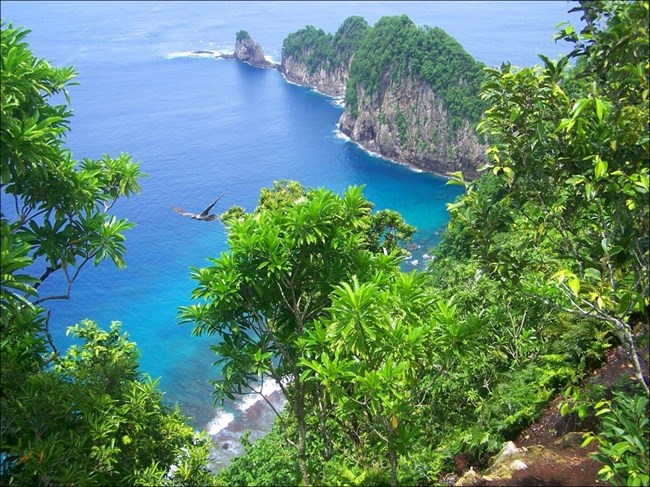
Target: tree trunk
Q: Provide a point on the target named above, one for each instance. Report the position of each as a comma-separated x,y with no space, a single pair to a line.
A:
327,453
392,457
302,430
626,336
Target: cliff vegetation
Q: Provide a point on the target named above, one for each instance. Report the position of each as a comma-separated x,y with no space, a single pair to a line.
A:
411,94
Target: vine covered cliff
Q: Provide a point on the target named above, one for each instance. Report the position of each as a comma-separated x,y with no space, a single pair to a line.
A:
411,94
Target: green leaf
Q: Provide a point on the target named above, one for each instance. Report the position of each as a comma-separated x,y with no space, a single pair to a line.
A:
600,109
574,284
600,168
592,273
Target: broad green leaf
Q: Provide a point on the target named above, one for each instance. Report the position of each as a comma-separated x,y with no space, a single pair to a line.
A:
600,169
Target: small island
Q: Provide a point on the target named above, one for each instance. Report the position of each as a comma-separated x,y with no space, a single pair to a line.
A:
246,50
417,107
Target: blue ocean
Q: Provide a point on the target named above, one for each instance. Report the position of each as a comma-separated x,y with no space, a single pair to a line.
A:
203,126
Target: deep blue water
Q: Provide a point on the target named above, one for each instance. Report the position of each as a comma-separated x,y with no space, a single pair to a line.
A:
203,126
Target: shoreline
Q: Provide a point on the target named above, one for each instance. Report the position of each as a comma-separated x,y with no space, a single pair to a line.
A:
337,100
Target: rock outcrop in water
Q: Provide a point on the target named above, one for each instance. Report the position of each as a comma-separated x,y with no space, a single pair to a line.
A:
249,51
246,50
411,94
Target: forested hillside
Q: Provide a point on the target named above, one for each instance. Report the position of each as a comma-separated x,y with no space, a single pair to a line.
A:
390,377
312,57
411,93
543,268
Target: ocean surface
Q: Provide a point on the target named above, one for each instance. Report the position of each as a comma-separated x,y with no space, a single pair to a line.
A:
202,126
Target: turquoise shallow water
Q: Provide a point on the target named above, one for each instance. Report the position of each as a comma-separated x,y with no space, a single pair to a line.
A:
203,126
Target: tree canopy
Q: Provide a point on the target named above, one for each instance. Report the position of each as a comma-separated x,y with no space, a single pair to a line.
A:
395,47
269,289
87,416
574,168
319,50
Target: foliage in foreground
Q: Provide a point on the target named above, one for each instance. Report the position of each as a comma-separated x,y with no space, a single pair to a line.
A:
264,295
624,439
544,266
87,417
93,418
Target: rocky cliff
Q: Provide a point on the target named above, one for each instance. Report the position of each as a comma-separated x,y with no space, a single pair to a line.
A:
249,51
331,83
411,94
310,57
409,123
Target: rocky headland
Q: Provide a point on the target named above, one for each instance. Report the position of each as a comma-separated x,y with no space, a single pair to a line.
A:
417,107
246,50
409,123
414,106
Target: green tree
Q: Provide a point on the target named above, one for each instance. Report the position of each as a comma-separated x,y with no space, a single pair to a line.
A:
60,206
92,418
87,416
241,35
369,353
575,170
268,290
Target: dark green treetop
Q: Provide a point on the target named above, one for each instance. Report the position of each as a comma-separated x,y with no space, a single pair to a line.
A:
241,35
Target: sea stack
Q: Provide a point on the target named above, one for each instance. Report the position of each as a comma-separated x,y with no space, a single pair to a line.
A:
249,51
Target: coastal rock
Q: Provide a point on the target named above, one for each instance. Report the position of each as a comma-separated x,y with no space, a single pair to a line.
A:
331,83
249,51
404,119
407,122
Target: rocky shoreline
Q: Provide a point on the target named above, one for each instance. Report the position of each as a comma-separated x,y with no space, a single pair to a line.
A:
371,128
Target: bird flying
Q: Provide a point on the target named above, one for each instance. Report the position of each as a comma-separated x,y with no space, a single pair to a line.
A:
204,216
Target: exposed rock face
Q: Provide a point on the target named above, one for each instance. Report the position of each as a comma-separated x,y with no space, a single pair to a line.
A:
249,51
508,461
331,83
407,122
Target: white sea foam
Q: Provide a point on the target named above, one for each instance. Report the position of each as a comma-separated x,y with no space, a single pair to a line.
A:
291,82
268,388
270,59
220,422
205,53
340,135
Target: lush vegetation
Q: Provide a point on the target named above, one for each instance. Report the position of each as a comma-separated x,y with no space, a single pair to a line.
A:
389,376
544,266
318,50
270,290
395,48
87,416
242,35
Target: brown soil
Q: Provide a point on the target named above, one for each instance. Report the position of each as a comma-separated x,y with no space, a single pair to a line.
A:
555,456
